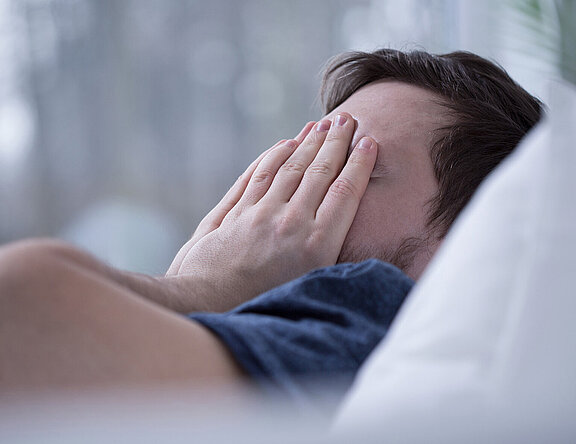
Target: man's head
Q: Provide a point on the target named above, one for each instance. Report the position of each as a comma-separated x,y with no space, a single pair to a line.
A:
442,124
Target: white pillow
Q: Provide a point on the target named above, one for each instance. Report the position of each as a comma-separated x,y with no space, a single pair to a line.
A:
485,347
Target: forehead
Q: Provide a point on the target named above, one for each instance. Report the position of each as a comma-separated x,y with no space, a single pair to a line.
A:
395,112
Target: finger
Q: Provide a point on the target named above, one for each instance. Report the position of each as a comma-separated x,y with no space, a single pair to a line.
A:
215,217
176,264
326,165
265,172
305,131
338,209
291,172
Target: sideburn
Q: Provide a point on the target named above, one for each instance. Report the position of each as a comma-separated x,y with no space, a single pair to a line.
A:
401,257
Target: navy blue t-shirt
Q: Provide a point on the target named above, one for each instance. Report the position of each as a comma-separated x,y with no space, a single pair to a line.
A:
321,326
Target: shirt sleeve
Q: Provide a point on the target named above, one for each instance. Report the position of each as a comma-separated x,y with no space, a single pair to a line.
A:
320,327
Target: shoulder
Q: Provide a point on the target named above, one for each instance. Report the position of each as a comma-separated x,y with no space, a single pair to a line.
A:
323,323
360,270
372,287
371,276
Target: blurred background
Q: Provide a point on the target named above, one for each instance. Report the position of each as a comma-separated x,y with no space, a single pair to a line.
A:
122,122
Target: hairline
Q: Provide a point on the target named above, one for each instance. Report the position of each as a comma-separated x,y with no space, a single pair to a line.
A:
437,138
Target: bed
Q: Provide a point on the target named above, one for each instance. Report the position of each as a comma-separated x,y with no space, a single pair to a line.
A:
484,350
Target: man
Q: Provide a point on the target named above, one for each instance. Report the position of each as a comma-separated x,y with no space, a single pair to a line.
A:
406,140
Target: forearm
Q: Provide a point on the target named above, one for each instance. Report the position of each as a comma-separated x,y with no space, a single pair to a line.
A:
67,323
188,293
181,294
169,293
275,224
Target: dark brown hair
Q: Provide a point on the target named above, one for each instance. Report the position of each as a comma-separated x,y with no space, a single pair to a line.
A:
490,114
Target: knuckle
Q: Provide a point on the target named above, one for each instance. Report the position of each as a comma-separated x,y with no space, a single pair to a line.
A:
263,176
337,136
322,167
284,226
320,238
288,223
293,165
333,136
344,187
313,248
262,216
256,216
356,158
318,138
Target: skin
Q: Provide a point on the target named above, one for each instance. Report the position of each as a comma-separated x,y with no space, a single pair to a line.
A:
402,119
69,321
284,217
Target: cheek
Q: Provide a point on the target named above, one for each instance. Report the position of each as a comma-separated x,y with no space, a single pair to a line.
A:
371,222
385,216
367,212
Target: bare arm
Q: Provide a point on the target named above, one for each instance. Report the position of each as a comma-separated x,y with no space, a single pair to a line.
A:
175,293
66,319
64,323
288,214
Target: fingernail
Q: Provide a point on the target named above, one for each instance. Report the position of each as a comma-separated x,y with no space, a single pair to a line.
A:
323,125
365,143
340,120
